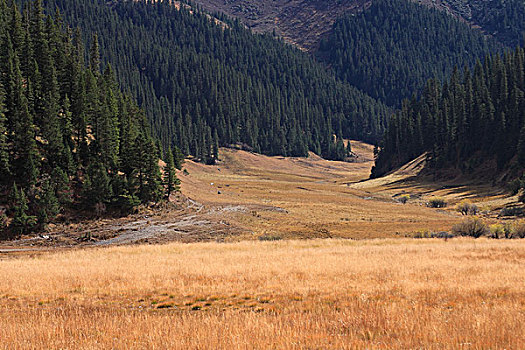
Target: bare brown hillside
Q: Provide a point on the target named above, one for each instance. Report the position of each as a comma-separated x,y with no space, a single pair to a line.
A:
300,22
305,22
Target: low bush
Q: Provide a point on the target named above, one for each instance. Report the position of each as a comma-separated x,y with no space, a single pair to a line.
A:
422,234
497,231
472,227
518,230
403,198
511,211
437,202
270,238
429,234
514,186
467,208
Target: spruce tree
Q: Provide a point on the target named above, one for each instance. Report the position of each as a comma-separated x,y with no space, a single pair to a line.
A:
152,180
178,158
25,160
47,203
5,169
22,223
170,180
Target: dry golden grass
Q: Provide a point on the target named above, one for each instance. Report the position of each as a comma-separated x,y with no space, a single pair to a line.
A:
318,198
382,294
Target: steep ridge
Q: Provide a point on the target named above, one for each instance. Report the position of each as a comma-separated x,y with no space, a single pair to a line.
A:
300,22
393,47
205,86
305,22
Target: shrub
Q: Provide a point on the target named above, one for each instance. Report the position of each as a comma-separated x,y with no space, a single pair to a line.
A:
467,208
511,211
429,234
3,221
437,202
514,186
472,227
442,234
497,231
518,229
403,198
270,238
422,234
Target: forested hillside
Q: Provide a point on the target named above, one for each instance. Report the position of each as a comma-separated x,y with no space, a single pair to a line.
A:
69,138
205,84
474,118
504,20
392,48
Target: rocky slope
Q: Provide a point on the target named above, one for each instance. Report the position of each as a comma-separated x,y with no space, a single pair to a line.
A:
305,22
300,22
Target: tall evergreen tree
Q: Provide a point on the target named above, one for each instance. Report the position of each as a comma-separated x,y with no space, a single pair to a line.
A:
170,180
472,119
5,168
68,135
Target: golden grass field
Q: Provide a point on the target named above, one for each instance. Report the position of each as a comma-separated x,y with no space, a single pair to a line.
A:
316,198
310,294
373,290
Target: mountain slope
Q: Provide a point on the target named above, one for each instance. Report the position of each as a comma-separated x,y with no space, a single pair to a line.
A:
305,22
204,85
299,22
473,124
393,47
70,140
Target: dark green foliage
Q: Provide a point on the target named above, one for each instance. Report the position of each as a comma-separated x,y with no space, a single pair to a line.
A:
171,182
5,171
68,135
472,227
393,47
178,157
505,20
47,204
61,185
22,222
205,85
148,173
97,187
473,119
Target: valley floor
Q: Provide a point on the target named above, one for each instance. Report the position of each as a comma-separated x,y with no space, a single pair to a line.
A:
249,196
309,294
238,290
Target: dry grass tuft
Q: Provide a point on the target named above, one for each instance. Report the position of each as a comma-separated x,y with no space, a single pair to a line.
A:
384,294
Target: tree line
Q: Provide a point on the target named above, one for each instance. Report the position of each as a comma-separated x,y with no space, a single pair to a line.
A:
69,138
206,82
392,48
474,119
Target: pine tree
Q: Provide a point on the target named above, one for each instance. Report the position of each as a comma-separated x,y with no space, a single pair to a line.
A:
22,223
61,184
48,206
151,190
97,189
178,158
94,55
106,130
5,169
171,182
25,161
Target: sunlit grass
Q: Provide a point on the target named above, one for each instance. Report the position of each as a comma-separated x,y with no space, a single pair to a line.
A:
387,294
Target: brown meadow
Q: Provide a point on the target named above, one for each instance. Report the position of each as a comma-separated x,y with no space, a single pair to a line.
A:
317,294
